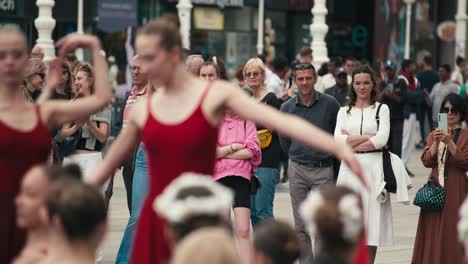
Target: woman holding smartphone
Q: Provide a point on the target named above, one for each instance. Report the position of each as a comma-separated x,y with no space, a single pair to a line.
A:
447,155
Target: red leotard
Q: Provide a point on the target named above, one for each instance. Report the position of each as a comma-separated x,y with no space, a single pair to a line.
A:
189,146
19,151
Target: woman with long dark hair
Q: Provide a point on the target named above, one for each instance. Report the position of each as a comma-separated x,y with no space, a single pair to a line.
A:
356,125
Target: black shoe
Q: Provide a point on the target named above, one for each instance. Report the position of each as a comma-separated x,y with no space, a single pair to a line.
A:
409,173
284,179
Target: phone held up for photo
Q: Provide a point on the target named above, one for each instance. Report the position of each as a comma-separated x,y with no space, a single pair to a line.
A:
443,123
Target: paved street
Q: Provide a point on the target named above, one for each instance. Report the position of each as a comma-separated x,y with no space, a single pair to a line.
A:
405,219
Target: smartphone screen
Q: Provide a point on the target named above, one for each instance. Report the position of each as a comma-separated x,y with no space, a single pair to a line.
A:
443,124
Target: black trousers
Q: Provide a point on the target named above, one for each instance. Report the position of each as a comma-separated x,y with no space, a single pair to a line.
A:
127,175
396,136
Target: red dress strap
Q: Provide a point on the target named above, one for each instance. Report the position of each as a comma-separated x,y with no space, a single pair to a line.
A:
205,92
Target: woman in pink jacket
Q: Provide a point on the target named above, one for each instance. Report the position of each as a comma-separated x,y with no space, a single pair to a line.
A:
238,155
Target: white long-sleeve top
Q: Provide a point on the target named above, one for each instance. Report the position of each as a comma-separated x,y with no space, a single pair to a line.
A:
363,121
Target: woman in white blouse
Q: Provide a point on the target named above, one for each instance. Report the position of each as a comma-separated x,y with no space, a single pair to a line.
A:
356,125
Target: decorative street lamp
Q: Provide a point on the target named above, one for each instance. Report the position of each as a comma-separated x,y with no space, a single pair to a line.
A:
261,23
184,8
45,24
79,29
318,31
460,33
409,5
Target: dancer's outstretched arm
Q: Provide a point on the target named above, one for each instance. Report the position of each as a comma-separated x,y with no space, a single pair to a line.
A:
288,125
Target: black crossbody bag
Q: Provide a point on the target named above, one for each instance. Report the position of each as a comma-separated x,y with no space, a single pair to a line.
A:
389,176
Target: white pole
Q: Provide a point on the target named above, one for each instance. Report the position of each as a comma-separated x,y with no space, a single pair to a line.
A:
79,29
460,34
409,4
184,8
318,31
45,24
261,24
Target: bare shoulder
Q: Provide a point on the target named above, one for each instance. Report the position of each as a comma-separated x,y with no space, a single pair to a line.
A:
139,112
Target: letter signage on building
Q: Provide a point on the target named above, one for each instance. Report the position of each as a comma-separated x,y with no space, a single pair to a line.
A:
7,6
220,3
115,15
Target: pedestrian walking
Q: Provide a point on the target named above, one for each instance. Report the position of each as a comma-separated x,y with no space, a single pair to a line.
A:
308,168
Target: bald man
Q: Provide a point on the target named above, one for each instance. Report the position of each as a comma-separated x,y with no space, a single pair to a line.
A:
194,63
37,52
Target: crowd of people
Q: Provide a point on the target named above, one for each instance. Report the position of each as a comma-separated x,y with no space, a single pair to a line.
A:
192,145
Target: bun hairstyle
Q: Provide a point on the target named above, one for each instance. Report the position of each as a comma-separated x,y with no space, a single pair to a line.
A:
193,201
278,241
79,207
335,216
70,171
167,28
352,94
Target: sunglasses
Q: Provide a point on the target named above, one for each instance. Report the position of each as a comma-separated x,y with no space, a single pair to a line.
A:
303,66
447,110
251,74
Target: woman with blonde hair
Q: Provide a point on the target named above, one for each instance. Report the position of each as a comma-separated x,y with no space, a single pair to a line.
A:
268,173
34,78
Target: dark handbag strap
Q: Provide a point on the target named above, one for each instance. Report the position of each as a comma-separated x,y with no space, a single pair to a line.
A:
377,116
449,155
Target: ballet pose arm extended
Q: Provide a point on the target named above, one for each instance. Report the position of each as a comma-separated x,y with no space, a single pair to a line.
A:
57,112
288,125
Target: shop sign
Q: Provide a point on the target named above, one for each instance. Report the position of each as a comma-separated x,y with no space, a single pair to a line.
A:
220,3
7,6
115,15
208,18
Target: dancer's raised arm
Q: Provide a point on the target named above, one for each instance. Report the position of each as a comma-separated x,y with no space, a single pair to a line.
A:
55,112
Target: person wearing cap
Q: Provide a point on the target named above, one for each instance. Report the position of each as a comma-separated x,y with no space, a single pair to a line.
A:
340,89
428,77
392,92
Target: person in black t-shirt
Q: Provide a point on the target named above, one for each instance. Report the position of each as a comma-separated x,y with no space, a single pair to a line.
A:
262,202
428,77
392,94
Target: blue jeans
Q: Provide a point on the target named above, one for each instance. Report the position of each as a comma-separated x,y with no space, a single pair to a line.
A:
261,203
139,191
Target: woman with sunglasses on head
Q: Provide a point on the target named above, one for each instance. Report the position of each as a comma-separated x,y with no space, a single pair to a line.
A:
25,127
34,79
179,126
237,156
447,155
261,203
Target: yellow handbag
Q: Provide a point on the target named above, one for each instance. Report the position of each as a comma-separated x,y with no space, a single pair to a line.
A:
264,136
